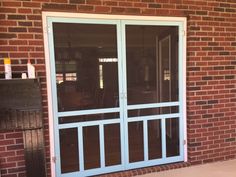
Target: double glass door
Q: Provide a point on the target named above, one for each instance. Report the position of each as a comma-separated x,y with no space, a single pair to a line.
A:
117,94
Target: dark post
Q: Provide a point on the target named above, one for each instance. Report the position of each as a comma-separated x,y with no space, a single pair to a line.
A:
21,109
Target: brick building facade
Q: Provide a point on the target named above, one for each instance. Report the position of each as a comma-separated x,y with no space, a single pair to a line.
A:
210,66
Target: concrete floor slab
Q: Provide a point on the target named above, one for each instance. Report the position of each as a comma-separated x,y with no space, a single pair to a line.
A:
218,169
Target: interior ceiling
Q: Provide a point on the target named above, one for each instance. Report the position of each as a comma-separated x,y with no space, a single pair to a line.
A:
95,35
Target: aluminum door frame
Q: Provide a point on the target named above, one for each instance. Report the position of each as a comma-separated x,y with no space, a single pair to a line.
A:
80,125
122,93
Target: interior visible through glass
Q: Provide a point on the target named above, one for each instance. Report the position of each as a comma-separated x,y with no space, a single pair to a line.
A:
90,117
172,137
152,64
86,66
152,111
112,144
91,144
154,139
69,150
136,143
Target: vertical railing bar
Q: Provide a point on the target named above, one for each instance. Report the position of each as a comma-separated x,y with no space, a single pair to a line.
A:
163,137
145,138
81,148
122,142
102,149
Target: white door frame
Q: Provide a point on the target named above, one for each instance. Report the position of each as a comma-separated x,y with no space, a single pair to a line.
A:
182,68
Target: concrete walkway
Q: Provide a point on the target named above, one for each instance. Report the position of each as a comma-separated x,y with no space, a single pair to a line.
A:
218,169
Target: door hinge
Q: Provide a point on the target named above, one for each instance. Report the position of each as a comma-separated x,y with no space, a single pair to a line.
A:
54,159
185,142
184,33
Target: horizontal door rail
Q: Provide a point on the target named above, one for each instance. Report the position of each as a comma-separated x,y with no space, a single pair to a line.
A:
88,112
153,117
153,105
86,124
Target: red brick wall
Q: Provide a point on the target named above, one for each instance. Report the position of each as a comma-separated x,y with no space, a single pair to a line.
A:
211,60
12,163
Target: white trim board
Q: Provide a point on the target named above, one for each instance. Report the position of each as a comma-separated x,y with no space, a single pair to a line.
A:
113,17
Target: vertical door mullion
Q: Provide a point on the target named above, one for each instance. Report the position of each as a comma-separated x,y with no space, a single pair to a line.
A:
124,83
121,90
102,150
163,137
81,148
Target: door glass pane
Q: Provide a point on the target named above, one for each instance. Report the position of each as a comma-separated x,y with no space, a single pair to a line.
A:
91,147
112,144
152,64
86,66
136,144
69,150
91,117
172,137
151,111
154,139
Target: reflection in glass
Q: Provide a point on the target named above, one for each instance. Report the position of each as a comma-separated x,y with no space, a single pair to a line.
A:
69,150
112,144
86,66
154,139
152,64
136,144
91,147
172,137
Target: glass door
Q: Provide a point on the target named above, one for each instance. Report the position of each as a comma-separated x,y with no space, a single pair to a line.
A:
153,113
87,82
117,94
